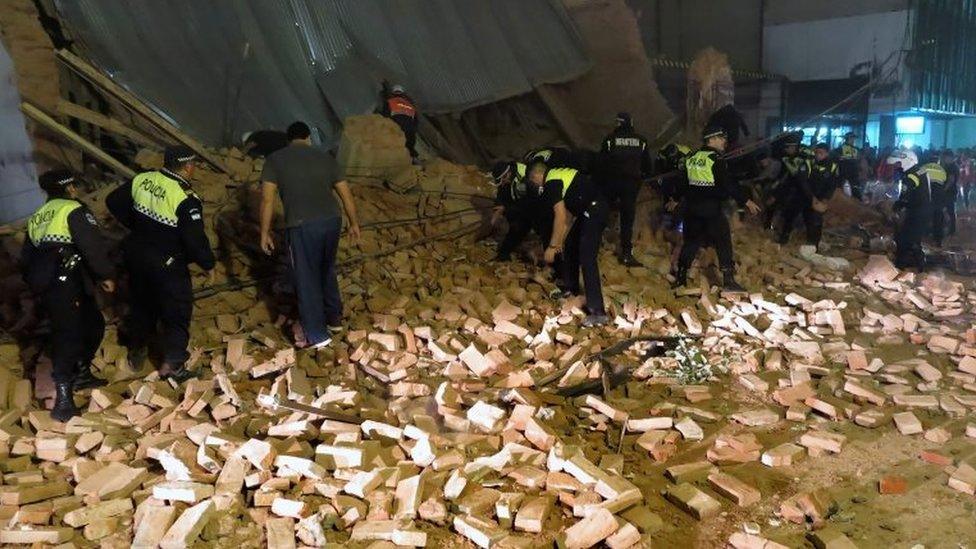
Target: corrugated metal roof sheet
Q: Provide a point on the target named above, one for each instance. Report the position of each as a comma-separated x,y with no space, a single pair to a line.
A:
221,68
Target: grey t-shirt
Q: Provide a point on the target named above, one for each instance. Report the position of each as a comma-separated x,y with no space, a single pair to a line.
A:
305,177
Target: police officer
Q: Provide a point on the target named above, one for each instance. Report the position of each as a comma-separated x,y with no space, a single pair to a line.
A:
63,252
917,200
705,188
518,200
937,186
848,159
810,190
795,169
625,160
167,234
579,216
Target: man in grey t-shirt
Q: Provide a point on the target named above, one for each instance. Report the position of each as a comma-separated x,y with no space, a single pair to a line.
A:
305,178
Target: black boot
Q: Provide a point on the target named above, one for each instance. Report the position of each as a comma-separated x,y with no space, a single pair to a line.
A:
87,380
64,402
728,281
680,278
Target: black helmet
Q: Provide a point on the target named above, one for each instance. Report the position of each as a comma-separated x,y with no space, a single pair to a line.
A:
177,155
500,170
822,145
55,181
713,131
623,119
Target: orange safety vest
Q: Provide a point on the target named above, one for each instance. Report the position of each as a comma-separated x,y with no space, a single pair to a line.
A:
401,106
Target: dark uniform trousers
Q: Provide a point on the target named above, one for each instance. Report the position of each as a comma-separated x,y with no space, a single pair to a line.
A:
77,326
581,252
524,217
624,192
702,229
162,293
812,219
938,213
908,239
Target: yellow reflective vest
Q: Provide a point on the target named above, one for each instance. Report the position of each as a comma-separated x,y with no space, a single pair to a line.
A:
699,168
157,196
564,175
50,222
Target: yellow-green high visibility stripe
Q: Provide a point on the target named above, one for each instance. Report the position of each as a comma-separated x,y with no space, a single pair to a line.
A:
157,196
565,175
520,170
699,167
50,222
936,172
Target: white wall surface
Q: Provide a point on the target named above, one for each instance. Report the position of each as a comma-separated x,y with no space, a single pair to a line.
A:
830,48
19,193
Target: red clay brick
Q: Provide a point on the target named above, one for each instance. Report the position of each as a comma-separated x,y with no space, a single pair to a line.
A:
892,484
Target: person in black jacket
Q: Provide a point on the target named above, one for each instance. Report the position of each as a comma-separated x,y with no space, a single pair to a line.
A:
916,202
704,190
518,201
625,161
167,234
64,251
808,193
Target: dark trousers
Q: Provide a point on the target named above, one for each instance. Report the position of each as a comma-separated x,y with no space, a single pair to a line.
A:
951,216
623,192
313,246
581,253
161,294
708,229
908,240
409,127
77,326
775,202
522,219
850,170
812,220
938,223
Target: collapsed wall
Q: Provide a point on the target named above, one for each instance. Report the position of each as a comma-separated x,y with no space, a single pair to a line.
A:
621,78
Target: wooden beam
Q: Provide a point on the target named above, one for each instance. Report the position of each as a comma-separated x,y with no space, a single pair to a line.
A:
93,75
67,108
43,119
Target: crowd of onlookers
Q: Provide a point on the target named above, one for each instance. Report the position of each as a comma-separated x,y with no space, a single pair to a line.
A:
885,167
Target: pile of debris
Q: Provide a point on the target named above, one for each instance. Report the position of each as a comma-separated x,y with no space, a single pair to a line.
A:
464,402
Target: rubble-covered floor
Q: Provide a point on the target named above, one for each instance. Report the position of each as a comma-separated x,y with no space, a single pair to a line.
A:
835,402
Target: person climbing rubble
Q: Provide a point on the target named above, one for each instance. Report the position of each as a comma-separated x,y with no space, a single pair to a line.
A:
63,254
305,178
809,194
915,202
579,216
704,190
399,107
625,161
165,220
